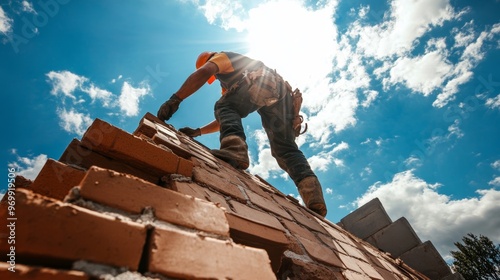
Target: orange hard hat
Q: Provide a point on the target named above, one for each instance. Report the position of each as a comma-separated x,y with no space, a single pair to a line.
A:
202,59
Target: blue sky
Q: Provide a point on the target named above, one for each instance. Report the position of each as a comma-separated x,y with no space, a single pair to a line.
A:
402,97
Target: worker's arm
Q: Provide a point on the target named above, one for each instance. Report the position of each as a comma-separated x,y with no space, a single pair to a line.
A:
206,129
210,127
194,82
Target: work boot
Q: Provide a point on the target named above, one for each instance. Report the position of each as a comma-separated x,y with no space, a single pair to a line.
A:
312,194
233,150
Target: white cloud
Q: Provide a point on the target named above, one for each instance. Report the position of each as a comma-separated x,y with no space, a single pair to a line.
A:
371,95
423,73
493,102
322,161
80,89
96,93
407,21
495,182
117,79
5,22
336,113
65,82
465,35
73,121
434,216
366,172
227,12
413,161
29,167
130,97
454,130
496,165
28,7
462,71
265,165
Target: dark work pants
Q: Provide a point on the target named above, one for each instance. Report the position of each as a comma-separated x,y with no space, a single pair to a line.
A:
277,122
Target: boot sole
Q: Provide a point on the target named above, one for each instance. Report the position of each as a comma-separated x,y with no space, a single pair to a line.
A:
234,163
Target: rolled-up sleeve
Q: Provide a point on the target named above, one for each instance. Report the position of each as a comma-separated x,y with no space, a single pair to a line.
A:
223,63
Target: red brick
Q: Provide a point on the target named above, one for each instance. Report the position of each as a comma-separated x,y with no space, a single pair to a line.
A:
369,270
298,269
251,229
39,273
351,275
227,173
186,255
78,155
21,182
297,230
353,252
154,119
168,132
200,192
256,216
386,275
49,231
185,167
177,148
264,184
146,127
251,184
132,194
189,188
119,144
351,263
203,176
328,240
56,179
196,148
287,202
307,220
143,153
251,234
336,232
205,158
268,204
100,134
320,252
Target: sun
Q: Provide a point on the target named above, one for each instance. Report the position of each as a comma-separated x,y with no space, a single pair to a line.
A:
285,36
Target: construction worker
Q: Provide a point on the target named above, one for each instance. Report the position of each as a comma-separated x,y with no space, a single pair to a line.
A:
247,86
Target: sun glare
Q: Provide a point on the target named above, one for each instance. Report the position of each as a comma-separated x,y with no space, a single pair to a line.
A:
285,35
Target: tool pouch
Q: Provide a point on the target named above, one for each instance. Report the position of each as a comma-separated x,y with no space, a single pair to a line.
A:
298,119
265,86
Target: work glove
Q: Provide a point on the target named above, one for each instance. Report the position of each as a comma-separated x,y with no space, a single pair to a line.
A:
168,108
191,132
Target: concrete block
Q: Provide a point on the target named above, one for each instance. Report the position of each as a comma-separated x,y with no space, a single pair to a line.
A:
366,220
427,260
396,238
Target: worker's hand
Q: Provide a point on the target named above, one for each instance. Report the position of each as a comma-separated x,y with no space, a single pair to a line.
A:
191,132
168,108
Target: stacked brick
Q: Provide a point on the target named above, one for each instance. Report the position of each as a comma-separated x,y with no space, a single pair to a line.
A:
156,204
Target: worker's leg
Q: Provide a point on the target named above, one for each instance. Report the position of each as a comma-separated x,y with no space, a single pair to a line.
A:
277,121
228,111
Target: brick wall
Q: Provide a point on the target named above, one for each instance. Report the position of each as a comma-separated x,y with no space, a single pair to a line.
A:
156,204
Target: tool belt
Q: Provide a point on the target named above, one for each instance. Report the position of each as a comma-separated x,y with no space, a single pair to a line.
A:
266,87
